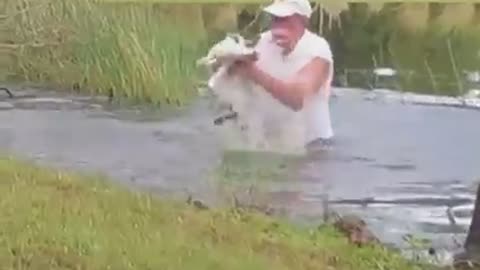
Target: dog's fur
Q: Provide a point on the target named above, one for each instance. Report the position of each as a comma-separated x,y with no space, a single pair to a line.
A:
256,115
231,91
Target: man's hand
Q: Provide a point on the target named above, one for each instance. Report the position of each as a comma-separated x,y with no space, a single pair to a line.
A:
234,57
239,63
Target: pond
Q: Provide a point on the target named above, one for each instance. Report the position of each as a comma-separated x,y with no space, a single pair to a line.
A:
400,166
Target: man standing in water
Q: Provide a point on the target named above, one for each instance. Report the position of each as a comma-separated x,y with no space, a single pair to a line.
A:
295,66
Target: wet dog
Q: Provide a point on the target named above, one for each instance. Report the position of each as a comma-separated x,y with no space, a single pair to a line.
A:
259,120
235,94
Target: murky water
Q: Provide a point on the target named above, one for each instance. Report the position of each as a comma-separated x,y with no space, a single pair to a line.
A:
400,166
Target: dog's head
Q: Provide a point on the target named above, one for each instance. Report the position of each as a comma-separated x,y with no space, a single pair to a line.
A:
227,50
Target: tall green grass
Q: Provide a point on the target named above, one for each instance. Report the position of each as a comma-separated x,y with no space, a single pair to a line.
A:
128,50
146,50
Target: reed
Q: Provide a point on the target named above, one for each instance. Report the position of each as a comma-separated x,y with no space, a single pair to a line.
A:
128,50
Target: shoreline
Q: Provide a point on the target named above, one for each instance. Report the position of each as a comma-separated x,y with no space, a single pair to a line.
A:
91,218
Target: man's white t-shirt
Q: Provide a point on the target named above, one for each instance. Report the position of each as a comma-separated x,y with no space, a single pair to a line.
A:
315,115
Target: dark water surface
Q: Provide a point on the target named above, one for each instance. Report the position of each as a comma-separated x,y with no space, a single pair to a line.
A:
399,166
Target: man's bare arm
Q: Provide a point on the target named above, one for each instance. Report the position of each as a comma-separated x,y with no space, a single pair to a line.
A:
292,92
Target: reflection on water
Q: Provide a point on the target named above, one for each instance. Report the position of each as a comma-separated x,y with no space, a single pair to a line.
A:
404,168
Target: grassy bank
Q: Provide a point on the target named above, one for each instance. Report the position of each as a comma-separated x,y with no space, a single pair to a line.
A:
56,220
141,51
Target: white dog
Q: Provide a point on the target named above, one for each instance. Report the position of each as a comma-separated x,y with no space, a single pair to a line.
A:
259,118
230,90
239,95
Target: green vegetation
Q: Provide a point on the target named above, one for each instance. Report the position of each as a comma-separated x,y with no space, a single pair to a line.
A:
132,51
146,49
57,220
427,42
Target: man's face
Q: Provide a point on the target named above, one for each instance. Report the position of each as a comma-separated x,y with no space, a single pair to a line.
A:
284,30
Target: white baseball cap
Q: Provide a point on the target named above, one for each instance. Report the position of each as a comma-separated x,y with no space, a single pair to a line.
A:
284,8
